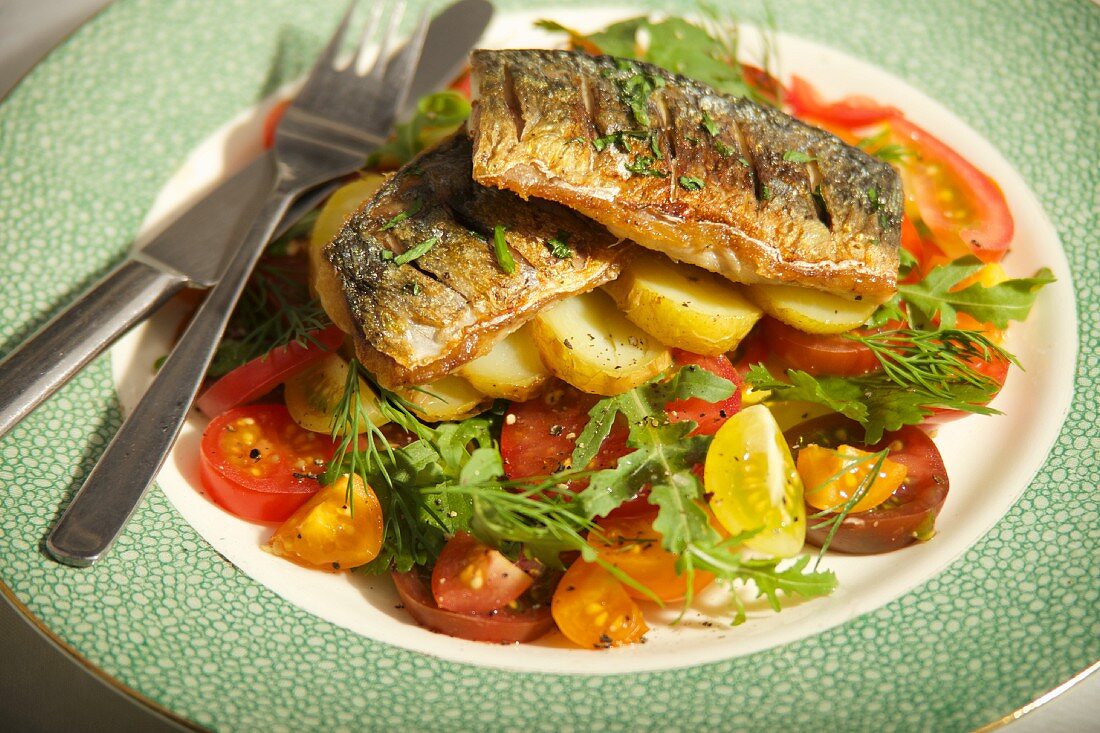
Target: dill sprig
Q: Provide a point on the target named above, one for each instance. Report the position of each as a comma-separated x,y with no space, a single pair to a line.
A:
275,310
933,361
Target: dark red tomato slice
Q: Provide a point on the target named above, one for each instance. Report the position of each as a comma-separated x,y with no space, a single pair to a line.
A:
470,577
264,373
909,513
752,350
271,122
506,626
855,111
964,209
819,354
708,416
257,463
539,435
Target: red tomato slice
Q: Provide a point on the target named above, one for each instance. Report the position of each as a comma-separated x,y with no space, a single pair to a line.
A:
708,416
818,354
539,435
909,513
855,111
261,375
257,463
271,122
462,84
470,577
963,207
506,626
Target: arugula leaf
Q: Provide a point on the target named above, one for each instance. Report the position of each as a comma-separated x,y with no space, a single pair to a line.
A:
933,297
683,47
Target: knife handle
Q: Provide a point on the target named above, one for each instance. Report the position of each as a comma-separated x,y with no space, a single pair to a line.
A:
78,334
126,469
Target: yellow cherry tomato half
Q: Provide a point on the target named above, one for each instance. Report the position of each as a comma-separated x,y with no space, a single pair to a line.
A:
335,529
753,485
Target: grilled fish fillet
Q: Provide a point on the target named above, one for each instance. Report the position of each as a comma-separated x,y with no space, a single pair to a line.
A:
416,321
721,182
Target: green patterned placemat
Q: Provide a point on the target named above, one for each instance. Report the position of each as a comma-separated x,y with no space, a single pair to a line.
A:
89,137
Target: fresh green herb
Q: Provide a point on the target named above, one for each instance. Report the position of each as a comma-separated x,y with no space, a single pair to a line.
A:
500,248
402,216
415,251
744,162
690,183
621,140
643,166
577,139
872,196
636,89
386,255
797,156
437,115
890,153
412,287
274,311
765,193
708,124
934,299
559,245
724,150
921,370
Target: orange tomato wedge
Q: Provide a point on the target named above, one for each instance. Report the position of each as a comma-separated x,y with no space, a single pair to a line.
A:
334,529
832,477
592,609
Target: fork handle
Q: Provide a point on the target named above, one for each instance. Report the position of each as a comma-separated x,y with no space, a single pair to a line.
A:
126,469
78,334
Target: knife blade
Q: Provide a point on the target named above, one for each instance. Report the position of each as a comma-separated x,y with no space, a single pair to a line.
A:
191,250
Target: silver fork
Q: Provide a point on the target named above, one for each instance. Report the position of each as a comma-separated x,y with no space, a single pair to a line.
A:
337,119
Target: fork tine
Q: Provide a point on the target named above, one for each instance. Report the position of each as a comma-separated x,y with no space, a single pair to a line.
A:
402,66
332,50
396,14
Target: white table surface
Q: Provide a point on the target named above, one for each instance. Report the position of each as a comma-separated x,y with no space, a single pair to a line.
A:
43,689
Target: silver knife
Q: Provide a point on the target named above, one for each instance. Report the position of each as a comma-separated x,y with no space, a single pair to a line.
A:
190,250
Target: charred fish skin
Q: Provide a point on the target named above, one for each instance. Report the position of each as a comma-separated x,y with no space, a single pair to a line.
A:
721,182
420,276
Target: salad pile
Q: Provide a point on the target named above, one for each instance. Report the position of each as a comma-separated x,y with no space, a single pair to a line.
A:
505,502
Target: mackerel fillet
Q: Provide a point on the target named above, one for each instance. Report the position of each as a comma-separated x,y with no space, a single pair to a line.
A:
424,288
724,183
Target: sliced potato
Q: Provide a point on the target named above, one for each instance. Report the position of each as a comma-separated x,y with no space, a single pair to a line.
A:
323,281
450,398
587,341
682,305
812,311
512,370
313,395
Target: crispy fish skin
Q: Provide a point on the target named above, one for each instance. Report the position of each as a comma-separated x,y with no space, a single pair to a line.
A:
418,320
683,169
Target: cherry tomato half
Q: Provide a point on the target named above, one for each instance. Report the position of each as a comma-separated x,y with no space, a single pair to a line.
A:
253,380
708,416
539,435
909,514
272,120
634,546
470,577
506,626
257,463
819,354
592,609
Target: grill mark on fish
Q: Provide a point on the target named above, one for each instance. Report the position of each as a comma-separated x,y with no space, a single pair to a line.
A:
761,222
514,107
418,321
